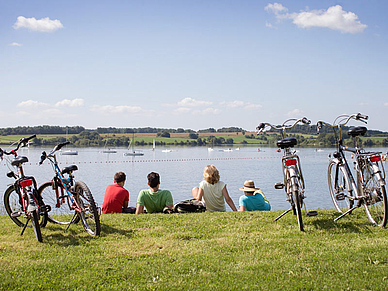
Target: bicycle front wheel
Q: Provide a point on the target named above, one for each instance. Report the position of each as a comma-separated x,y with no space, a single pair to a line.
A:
339,187
375,201
59,202
89,215
297,205
14,206
34,215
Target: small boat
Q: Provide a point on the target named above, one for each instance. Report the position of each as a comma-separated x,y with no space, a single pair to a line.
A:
237,149
108,150
228,150
167,151
210,149
278,150
133,152
69,153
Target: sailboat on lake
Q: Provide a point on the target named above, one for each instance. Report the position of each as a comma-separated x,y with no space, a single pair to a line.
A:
68,152
133,152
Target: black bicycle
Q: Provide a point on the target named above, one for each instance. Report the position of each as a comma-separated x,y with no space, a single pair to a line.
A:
66,196
293,178
22,200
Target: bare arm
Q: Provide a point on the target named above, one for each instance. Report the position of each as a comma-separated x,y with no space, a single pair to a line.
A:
139,209
242,208
200,194
228,199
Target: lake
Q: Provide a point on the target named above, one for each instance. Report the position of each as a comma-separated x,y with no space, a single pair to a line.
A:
181,169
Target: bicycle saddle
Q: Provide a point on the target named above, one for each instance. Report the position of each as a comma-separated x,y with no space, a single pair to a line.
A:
287,142
19,160
356,131
69,169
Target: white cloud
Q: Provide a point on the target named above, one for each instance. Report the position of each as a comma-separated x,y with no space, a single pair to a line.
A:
31,104
122,109
275,8
70,103
207,111
295,113
41,25
233,104
386,104
190,102
240,104
182,110
253,106
15,44
334,18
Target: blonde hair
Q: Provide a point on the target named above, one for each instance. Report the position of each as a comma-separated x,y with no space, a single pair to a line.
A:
211,174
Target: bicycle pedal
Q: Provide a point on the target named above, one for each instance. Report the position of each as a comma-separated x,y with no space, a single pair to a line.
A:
45,208
340,197
16,214
279,186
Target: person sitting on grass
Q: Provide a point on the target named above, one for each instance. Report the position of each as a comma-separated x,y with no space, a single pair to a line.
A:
254,199
212,191
153,199
116,198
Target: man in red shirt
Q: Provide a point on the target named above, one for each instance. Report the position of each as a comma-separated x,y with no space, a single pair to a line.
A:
116,198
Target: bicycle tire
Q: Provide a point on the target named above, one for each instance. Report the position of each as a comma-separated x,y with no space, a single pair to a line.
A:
34,215
12,203
89,215
297,206
60,210
375,203
338,187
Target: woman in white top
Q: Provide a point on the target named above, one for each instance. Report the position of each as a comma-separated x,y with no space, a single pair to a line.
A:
212,191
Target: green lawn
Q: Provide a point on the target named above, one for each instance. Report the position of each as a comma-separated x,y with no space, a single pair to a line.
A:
206,251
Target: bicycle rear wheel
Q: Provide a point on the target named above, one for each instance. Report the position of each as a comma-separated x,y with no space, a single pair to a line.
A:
375,202
297,205
13,206
89,215
60,210
339,187
34,215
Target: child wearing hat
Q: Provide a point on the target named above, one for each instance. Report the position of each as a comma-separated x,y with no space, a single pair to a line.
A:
254,199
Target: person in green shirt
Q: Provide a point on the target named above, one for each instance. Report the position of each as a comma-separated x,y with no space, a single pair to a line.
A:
153,199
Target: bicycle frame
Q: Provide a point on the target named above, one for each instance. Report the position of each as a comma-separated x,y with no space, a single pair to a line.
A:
366,163
292,172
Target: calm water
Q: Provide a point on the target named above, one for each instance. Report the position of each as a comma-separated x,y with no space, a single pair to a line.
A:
182,168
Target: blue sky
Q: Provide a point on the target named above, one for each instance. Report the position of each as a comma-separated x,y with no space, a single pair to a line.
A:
191,64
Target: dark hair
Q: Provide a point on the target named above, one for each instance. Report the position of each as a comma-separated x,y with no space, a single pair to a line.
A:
153,179
120,177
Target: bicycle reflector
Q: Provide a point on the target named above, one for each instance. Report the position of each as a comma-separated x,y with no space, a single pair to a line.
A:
290,162
375,158
26,183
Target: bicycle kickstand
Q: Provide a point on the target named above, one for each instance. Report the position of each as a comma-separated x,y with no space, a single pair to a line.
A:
71,221
347,212
25,226
281,215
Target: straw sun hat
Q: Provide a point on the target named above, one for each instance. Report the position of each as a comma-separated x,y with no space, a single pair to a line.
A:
249,186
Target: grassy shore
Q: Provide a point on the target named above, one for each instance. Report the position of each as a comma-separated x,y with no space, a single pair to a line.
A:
206,251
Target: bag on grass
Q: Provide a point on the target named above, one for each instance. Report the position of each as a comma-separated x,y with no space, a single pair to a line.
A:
191,205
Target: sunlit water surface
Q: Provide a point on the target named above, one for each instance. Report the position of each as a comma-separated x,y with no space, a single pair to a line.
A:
181,169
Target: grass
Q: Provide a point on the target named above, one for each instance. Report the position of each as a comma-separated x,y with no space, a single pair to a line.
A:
217,251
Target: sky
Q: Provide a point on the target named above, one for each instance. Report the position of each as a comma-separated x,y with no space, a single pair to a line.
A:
191,64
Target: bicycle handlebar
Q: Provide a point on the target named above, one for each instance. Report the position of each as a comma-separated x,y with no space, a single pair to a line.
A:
304,120
344,119
22,143
56,148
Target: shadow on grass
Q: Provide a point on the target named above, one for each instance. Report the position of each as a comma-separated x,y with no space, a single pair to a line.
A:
109,229
345,224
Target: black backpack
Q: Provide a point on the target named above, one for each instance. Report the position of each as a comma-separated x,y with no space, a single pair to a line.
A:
191,205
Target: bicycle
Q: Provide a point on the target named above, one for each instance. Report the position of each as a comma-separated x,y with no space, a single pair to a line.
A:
65,195
293,184
368,189
21,199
